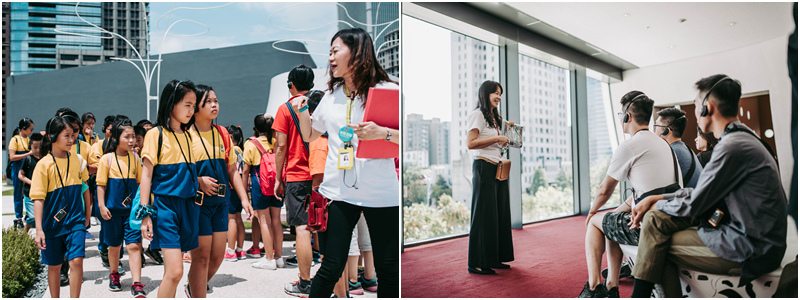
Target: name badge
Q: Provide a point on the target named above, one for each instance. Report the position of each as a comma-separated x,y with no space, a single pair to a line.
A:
346,134
346,158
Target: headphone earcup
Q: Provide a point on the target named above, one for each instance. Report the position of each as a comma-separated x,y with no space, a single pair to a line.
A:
704,111
626,118
665,131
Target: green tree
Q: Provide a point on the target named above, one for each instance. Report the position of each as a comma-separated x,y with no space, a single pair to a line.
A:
538,181
440,188
563,180
415,189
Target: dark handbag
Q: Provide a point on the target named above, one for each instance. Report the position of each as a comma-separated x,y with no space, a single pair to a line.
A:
317,211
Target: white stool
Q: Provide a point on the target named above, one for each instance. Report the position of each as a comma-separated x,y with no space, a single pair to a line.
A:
696,284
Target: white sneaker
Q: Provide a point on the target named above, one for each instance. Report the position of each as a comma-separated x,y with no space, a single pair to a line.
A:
268,264
95,221
279,262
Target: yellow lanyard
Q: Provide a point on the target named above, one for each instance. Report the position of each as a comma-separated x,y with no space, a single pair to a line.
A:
349,104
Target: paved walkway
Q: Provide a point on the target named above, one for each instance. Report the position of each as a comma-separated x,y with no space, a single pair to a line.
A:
234,279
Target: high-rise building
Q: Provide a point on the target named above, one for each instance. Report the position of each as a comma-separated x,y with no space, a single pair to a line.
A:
417,127
384,14
472,63
439,142
6,57
599,139
128,19
389,53
544,113
428,135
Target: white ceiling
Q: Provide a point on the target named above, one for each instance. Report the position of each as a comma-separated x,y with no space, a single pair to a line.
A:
652,33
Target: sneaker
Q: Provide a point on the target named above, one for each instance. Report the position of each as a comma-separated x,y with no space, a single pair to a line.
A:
299,288
613,292
137,289
230,255
292,262
369,285
121,269
598,292
18,223
64,279
280,262
186,290
241,255
268,264
187,258
113,282
95,222
104,258
154,255
254,253
315,256
355,288
624,271
263,252
89,236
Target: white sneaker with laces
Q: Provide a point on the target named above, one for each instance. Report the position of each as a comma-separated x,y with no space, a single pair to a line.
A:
95,221
280,262
268,264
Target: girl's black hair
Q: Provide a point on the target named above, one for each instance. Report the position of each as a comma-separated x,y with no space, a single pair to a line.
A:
236,135
116,130
73,119
173,93
107,122
492,115
16,132
313,99
24,124
139,130
201,90
263,125
53,128
143,122
364,66
87,116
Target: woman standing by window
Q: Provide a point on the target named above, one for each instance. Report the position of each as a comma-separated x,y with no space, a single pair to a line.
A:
490,231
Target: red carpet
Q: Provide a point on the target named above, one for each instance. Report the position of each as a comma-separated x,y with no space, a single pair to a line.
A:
549,262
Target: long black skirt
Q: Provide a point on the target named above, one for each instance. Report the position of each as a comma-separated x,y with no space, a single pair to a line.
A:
490,228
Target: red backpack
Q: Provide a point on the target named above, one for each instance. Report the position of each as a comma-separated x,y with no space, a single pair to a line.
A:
266,169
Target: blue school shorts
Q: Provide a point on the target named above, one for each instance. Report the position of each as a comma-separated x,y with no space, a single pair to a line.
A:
235,205
71,245
175,225
213,218
118,229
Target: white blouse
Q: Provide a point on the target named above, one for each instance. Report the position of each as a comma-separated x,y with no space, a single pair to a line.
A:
477,121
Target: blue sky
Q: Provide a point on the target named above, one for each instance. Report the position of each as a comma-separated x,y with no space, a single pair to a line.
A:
243,23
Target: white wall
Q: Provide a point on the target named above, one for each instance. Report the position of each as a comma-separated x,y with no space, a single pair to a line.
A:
760,67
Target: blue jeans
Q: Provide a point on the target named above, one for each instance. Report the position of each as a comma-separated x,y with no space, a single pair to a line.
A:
18,195
29,218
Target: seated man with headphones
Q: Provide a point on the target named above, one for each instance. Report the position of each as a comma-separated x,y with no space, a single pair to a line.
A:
739,205
647,163
670,125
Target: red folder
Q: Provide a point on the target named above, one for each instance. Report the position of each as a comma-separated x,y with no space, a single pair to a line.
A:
383,108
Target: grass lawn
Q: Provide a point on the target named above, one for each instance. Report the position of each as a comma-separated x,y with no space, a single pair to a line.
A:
8,192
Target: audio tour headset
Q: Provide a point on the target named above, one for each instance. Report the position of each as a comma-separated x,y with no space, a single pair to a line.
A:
666,128
627,116
704,110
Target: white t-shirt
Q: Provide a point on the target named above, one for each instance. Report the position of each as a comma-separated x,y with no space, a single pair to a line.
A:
477,121
645,161
376,179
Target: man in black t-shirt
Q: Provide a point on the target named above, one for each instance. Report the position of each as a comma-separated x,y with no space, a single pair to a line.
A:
25,175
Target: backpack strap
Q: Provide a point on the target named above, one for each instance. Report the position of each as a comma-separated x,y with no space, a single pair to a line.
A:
160,142
769,149
691,169
297,124
258,145
226,140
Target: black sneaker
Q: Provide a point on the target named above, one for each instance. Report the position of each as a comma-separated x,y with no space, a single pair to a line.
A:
612,292
104,258
598,292
291,262
624,271
137,289
300,288
154,255
143,260
65,274
113,282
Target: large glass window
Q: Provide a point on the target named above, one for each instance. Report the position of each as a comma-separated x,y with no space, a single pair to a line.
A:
440,90
546,115
602,134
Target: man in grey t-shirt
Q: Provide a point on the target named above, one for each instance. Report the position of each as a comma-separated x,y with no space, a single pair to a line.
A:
669,126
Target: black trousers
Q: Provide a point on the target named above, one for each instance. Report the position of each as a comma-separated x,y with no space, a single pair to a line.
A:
490,228
384,232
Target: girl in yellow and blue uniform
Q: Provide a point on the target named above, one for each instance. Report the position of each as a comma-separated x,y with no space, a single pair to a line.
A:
218,179
118,177
170,174
19,149
60,214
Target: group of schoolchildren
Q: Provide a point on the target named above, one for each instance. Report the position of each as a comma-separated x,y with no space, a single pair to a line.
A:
197,176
